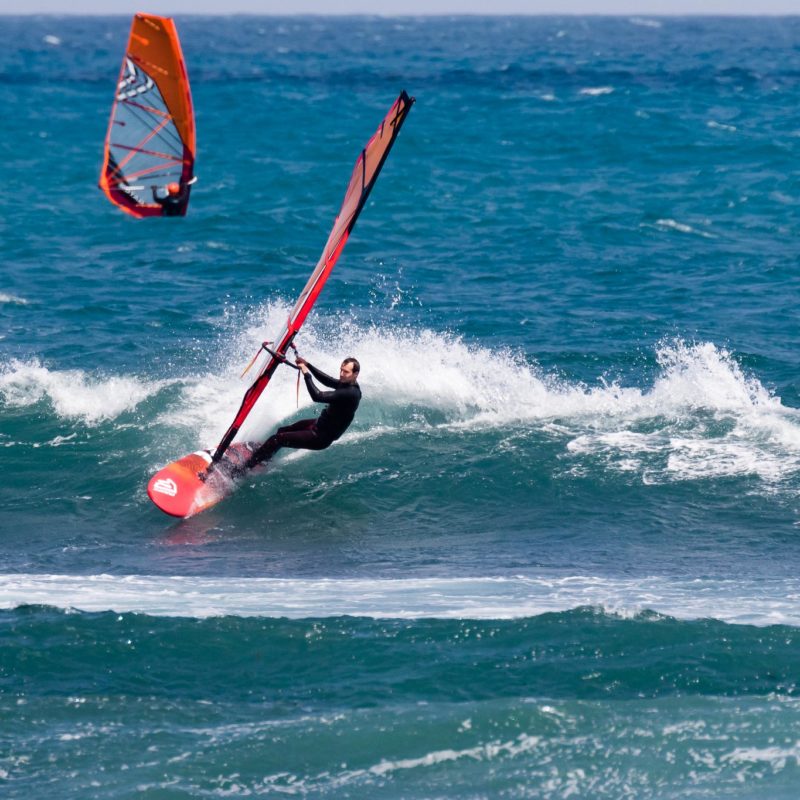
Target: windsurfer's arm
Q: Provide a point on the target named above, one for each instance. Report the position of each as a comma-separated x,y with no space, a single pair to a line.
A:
322,377
316,395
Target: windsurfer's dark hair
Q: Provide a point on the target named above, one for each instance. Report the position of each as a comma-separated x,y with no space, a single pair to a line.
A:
354,362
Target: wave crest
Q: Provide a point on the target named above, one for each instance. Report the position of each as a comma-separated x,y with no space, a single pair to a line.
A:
73,394
760,602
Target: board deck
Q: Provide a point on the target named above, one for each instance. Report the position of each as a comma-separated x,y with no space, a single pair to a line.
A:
178,489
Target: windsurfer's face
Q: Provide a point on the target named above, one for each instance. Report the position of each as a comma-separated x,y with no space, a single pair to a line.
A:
346,374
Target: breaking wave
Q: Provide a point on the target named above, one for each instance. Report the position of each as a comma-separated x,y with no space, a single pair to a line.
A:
747,602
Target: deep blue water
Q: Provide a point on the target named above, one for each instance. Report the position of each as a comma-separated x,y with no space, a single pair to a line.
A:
557,553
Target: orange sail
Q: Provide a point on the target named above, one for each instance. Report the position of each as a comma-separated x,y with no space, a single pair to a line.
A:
151,135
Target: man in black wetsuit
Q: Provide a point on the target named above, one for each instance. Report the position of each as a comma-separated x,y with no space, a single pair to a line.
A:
317,434
175,200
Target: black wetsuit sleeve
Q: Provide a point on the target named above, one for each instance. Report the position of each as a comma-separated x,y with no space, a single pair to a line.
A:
321,397
323,377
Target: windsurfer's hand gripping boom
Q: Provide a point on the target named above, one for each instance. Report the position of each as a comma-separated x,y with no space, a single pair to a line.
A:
300,365
279,357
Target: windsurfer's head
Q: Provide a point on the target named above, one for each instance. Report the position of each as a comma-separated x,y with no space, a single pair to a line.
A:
173,188
348,372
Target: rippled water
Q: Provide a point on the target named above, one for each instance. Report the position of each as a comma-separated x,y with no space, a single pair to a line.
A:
556,554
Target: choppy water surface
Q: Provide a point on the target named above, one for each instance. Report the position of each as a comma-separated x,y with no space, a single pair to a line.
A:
556,554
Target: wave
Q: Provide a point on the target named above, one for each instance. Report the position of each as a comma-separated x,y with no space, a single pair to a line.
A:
574,705
742,602
702,416
13,300
644,22
596,91
682,227
73,394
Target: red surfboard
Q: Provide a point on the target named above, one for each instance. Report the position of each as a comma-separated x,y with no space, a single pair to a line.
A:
187,486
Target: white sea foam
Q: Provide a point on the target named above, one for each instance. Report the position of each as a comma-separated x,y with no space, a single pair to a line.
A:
701,417
643,22
482,752
776,757
596,91
721,126
751,602
682,227
74,394
13,300
288,783
705,418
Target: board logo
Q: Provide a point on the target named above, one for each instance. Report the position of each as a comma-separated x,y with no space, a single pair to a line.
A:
165,486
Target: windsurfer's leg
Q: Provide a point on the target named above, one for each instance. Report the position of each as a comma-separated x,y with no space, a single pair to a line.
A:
283,437
303,440
300,425
263,452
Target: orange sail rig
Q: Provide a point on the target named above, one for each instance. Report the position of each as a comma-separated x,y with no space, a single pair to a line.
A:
365,174
151,135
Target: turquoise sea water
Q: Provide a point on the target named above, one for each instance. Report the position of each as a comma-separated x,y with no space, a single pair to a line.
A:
557,553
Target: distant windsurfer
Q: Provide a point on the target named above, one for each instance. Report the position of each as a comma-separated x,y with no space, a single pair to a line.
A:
176,198
317,434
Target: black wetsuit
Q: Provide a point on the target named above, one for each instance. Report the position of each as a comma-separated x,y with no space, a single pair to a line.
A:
174,205
315,434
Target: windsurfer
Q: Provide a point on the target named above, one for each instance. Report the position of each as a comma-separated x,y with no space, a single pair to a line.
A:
176,197
317,434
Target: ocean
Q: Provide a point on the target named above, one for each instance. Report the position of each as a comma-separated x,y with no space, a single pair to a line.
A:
557,555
